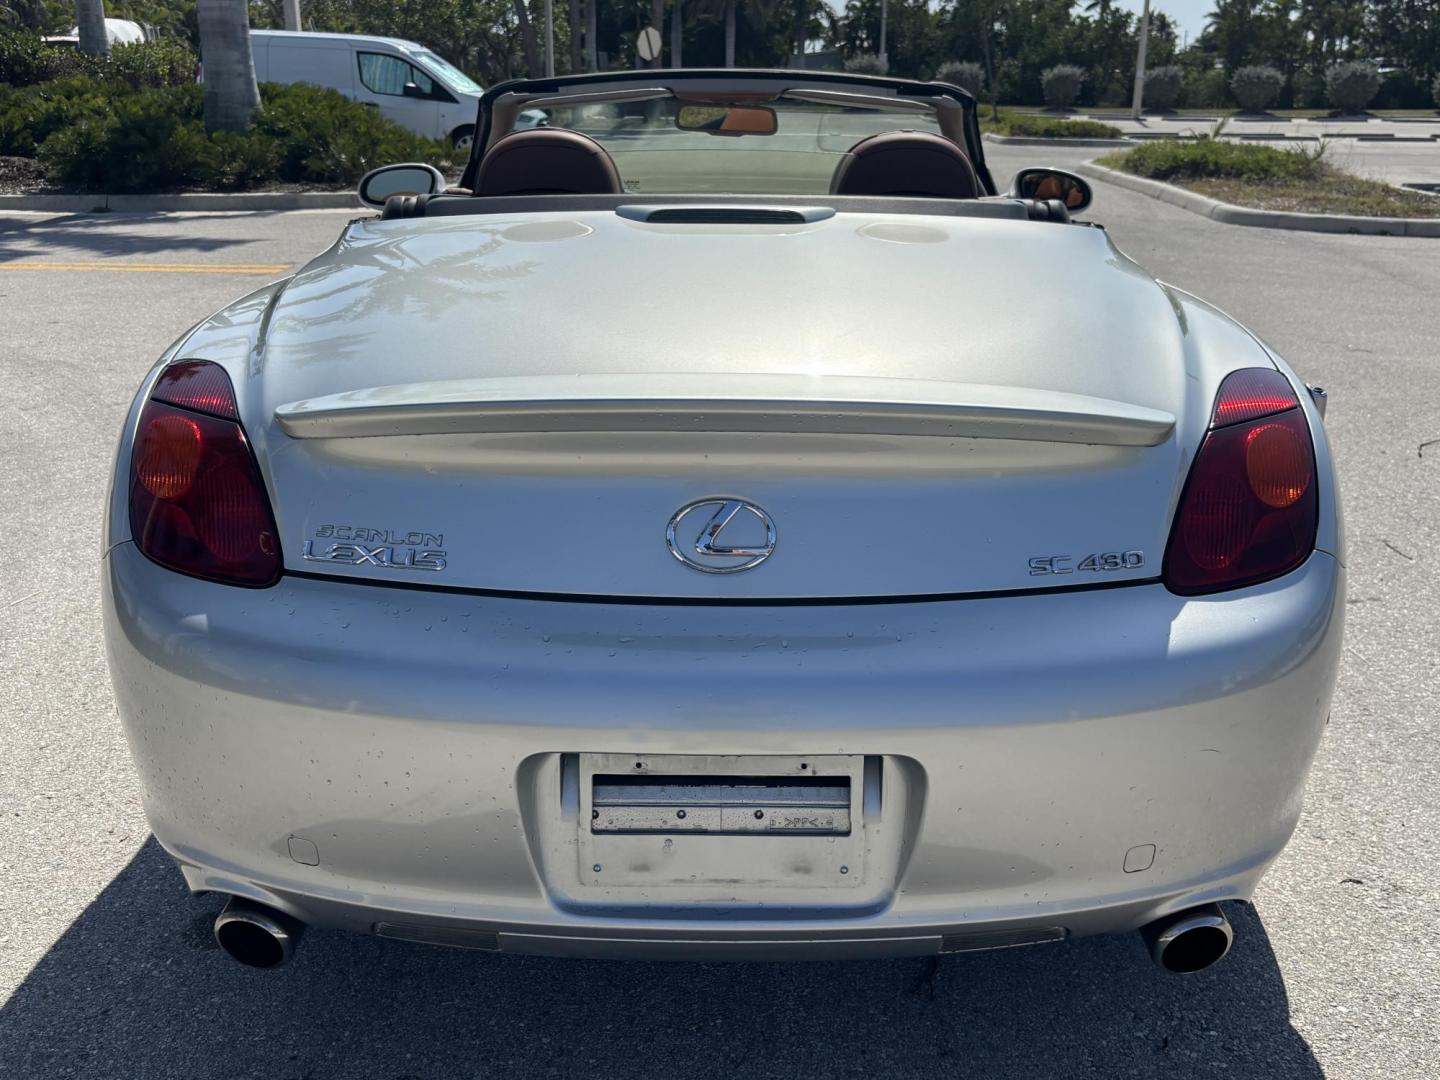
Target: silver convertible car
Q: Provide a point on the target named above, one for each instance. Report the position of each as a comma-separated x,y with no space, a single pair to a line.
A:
724,526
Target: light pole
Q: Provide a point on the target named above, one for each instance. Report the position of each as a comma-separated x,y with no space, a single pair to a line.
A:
292,14
1140,64
884,19
550,38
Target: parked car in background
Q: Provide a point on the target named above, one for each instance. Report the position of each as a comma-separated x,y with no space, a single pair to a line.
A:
117,32
408,83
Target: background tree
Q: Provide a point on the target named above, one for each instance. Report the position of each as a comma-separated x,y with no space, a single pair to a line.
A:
1014,41
41,15
1405,34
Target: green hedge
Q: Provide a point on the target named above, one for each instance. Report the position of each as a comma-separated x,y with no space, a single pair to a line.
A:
106,135
32,114
1212,159
1051,127
26,60
323,137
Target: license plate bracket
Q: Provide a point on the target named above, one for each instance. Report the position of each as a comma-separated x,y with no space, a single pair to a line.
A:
759,821
721,804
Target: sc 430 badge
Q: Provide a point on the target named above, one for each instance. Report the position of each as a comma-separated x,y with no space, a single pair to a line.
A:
383,548
1098,562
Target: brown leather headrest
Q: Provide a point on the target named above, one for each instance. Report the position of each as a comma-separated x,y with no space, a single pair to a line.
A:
547,161
900,163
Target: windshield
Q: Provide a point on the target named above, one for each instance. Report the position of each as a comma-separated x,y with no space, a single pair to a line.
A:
656,155
448,73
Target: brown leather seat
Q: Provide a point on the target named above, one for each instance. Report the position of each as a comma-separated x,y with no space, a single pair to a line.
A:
547,161
907,163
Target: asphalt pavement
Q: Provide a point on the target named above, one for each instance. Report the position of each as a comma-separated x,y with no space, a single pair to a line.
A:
107,968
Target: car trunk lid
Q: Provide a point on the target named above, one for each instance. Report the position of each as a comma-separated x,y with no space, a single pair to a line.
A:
918,406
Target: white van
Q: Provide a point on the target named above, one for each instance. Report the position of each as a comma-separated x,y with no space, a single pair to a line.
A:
407,82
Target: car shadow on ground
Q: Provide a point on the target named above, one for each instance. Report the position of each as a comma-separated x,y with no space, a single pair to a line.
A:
136,987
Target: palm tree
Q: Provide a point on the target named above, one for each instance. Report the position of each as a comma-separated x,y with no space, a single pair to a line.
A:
231,96
90,18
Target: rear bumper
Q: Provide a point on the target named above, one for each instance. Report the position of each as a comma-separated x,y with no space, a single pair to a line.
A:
360,756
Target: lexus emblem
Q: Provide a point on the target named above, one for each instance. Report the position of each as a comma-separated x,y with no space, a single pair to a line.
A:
720,536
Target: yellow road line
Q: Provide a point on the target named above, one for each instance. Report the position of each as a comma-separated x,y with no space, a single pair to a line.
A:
149,268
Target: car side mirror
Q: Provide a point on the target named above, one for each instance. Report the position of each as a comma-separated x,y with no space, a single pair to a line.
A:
1046,183
414,178
412,90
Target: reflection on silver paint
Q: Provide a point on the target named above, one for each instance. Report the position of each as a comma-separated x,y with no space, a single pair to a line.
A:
544,232
895,232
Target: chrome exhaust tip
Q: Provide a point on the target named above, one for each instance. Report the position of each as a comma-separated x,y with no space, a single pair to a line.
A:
1189,940
256,935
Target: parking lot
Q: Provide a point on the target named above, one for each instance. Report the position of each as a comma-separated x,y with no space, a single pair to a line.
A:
107,966
1400,152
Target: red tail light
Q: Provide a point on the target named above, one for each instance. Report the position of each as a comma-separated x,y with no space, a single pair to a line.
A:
1249,509
197,503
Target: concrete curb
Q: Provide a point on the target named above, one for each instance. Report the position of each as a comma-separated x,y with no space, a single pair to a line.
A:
209,201
1262,219
1028,140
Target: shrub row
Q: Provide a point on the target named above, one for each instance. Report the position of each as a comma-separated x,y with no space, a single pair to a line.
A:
1169,159
1054,127
1348,87
95,135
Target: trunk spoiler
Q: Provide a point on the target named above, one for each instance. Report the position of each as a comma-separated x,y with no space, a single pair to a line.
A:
728,402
